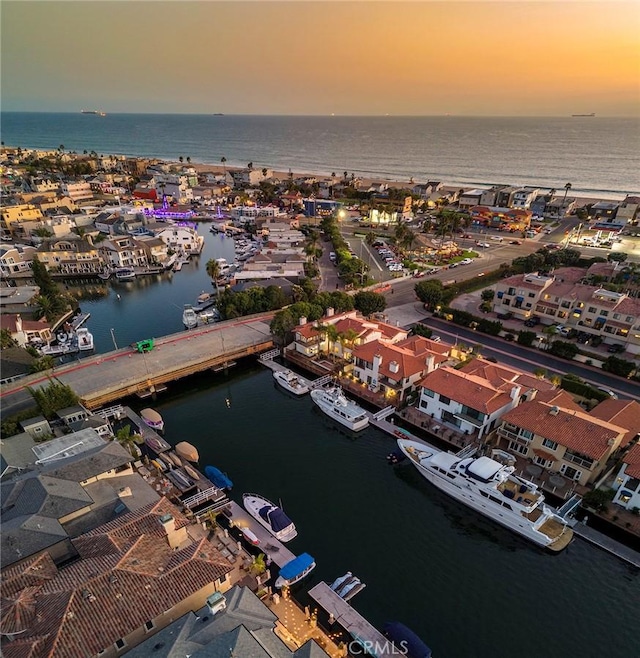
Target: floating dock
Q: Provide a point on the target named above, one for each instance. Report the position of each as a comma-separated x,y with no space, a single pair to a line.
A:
352,621
607,544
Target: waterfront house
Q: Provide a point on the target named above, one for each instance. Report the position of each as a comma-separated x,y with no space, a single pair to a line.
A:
475,396
623,413
628,209
156,249
26,332
504,196
395,369
560,440
70,255
237,624
523,197
627,481
123,251
182,240
559,208
131,577
16,258
106,221
603,210
19,299
539,204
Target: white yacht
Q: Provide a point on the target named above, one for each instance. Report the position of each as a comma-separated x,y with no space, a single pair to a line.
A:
291,382
493,489
85,339
333,402
189,317
270,516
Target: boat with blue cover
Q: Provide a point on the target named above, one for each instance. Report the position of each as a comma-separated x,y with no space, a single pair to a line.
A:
218,478
270,516
406,640
295,570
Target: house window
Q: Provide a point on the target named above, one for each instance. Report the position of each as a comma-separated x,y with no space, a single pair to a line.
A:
545,463
604,313
570,472
616,316
591,309
444,399
429,393
632,484
148,625
532,294
548,443
120,644
518,447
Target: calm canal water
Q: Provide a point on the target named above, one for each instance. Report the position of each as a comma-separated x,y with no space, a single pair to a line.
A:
467,587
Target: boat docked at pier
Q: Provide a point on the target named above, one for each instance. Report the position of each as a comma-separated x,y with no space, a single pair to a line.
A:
219,479
153,419
125,273
189,317
347,586
270,516
492,489
290,382
295,570
85,339
333,402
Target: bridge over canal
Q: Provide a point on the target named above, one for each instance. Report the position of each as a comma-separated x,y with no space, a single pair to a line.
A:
103,378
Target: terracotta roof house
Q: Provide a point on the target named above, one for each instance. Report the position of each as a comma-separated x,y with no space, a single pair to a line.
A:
134,576
394,369
468,402
627,483
570,442
624,413
313,338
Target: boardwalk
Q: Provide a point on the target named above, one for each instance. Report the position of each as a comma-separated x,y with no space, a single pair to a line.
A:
607,544
107,377
352,621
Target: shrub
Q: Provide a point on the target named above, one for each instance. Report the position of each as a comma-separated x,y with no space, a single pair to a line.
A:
526,338
618,366
563,349
491,327
598,499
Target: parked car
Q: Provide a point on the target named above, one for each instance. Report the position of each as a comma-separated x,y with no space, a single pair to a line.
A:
435,339
562,330
616,349
532,321
465,261
611,394
515,242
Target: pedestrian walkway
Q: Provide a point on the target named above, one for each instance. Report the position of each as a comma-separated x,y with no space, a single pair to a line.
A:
607,544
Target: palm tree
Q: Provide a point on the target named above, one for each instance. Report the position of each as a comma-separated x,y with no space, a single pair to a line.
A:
181,158
224,164
213,270
44,307
264,172
128,440
188,159
250,166
567,187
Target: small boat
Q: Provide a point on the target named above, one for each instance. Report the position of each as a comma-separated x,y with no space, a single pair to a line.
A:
270,516
350,588
154,443
189,317
295,570
125,273
406,640
191,472
250,536
187,451
208,317
159,465
153,419
85,339
338,582
290,382
218,478
174,458
333,402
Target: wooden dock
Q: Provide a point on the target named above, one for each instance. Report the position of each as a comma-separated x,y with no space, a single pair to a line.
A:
607,544
352,621
269,545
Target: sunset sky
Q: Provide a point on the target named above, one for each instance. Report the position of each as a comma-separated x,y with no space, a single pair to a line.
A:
400,58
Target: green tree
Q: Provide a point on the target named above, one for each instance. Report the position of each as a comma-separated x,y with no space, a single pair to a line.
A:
618,256
282,326
526,338
487,295
42,363
368,302
618,366
42,278
53,397
128,440
430,293
223,160
213,271
6,339
42,232
420,329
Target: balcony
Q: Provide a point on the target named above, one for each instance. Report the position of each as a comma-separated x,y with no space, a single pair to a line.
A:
513,436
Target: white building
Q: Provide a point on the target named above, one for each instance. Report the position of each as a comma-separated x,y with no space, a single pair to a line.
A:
182,239
123,251
627,482
523,197
77,190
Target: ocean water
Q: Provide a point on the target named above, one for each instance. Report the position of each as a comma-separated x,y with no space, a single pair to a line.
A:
598,156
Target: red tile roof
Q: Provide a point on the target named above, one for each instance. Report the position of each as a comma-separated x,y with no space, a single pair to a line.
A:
559,398
128,575
409,363
632,459
624,413
575,430
470,390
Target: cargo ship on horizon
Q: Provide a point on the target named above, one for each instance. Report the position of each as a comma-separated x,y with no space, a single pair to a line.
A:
97,112
584,115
